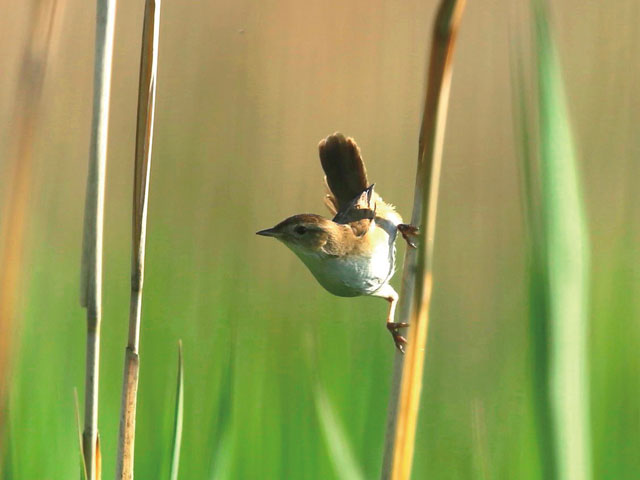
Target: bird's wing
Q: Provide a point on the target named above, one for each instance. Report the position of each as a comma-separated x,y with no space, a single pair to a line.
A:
345,174
350,198
362,207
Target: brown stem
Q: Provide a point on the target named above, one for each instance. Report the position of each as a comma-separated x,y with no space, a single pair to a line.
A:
417,278
144,143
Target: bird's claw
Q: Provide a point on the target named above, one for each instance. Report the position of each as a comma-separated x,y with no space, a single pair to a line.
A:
398,339
400,342
409,233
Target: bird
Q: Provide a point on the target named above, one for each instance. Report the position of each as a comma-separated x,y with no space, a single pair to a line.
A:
352,254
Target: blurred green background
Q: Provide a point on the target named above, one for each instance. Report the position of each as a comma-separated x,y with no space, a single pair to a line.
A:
245,92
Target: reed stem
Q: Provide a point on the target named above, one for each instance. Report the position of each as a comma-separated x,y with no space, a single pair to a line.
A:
417,277
144,143
91,280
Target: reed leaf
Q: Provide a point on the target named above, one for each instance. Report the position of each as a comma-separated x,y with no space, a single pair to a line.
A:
566,258
83,465
538,298
178,416
559,266
340,451
222,435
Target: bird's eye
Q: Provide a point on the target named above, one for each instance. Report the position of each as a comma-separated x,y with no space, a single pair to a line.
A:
300,230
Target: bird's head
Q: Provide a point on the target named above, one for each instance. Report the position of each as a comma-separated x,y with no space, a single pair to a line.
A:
305,234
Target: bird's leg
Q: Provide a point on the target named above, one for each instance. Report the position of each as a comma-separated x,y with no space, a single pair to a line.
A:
409,233
390,295
394,327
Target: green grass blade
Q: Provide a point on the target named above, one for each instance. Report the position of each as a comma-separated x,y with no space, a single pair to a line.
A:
559,265
83,465
177,418
559,289
538,311
221,436
340,451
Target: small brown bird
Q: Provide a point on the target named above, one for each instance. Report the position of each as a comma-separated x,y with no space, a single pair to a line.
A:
353,254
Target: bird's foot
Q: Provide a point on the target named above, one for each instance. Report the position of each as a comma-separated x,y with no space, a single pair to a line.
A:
398,339
409,233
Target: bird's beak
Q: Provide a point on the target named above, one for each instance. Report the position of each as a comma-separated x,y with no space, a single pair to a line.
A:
269,232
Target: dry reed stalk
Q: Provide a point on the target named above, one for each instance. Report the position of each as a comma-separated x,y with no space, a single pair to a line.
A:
15,204
91,279
417,277
144,143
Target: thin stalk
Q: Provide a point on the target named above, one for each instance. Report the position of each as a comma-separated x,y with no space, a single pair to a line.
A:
144,143
91,280
16,203
417,277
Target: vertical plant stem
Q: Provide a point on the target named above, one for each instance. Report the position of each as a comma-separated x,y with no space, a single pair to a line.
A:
91,281
417,276
144,143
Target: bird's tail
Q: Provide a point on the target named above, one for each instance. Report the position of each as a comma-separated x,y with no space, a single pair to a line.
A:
344,170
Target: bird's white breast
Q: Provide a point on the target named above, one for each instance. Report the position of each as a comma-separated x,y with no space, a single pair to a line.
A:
353,275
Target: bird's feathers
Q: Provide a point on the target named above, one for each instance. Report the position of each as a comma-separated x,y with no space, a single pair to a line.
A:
345,174
350,198
354,253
